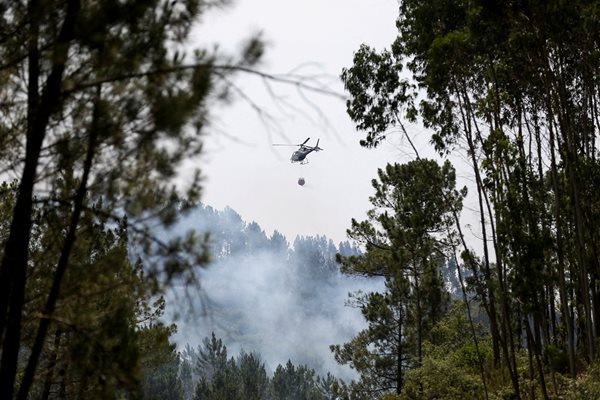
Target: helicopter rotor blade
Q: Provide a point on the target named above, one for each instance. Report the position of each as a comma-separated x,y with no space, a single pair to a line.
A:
281,144
305,141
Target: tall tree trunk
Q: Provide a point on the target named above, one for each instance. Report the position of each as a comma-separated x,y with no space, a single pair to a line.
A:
505,335
16,253
51,366
492,313
566,311
419,310
530,363
64,256
581,253
562,285
535,350
6,271
570,152
468,308
399,372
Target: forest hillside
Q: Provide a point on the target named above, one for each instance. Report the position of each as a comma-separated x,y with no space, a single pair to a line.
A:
285,301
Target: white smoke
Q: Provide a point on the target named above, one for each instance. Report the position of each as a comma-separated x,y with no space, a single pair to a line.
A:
263,303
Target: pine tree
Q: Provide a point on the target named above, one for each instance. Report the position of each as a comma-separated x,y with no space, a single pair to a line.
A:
102,106
404,243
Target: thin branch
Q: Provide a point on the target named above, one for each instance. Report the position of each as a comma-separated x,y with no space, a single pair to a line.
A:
281,78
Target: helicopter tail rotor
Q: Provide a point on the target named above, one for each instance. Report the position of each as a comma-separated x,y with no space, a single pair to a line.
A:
317,148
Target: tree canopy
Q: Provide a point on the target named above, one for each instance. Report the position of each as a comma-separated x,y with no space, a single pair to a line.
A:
100,103
513,88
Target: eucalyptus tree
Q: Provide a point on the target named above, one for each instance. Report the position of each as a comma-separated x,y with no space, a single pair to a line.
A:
405,242
513,85
100,103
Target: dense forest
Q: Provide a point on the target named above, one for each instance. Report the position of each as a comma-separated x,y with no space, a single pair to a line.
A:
102,103
311,313
513,88
211,372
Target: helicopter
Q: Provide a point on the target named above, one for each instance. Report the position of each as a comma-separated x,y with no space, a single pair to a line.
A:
304,150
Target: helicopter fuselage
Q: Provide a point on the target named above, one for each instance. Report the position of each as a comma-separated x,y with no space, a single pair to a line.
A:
300,154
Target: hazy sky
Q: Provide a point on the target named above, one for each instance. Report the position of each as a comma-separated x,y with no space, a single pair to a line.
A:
241,167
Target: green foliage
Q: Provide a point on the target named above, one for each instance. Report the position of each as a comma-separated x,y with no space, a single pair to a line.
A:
294,383
100,107
245,377
187,379
441,379
377,93
225,378
587,386
511,87
450,369
105,338
413,209
225,382
254,380
212,356
160,364
556,358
